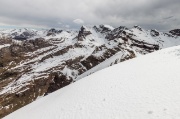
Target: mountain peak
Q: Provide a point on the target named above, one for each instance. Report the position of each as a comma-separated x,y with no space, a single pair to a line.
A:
84,31
103,28
53,32
175,32
138,27
154,33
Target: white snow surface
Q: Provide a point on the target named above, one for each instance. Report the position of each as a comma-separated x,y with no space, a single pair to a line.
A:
108,26
106,63
147,87
5,45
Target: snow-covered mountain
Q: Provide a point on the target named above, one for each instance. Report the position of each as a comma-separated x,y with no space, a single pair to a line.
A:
146,87
35,65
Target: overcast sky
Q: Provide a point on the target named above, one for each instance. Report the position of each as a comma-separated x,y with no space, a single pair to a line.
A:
156,14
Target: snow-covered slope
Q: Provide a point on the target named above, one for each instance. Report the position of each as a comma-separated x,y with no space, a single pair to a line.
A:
146,87
20,34
5,45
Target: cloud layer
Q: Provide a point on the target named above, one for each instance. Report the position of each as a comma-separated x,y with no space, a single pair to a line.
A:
78,21
159,14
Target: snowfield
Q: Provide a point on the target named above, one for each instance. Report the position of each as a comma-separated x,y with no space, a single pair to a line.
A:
147,87
5,45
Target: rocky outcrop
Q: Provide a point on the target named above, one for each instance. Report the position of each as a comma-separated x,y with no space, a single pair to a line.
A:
24,35
128,38
102,29
83,33
58,81
175,32
145,46
5,40
15,100
116,33
53,32
16,51
138,27
154,33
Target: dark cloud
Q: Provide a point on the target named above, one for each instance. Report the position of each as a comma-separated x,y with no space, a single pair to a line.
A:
158,14
168,17
142,12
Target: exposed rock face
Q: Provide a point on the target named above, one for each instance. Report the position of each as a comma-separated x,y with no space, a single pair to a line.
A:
5,40
116,33
58,81
38,43
33,68
138,27
24,35
53,32
175,32
5,53
83,33
154,33
16,51
102,29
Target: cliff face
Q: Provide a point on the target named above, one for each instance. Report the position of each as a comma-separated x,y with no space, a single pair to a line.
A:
175,32
49,60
